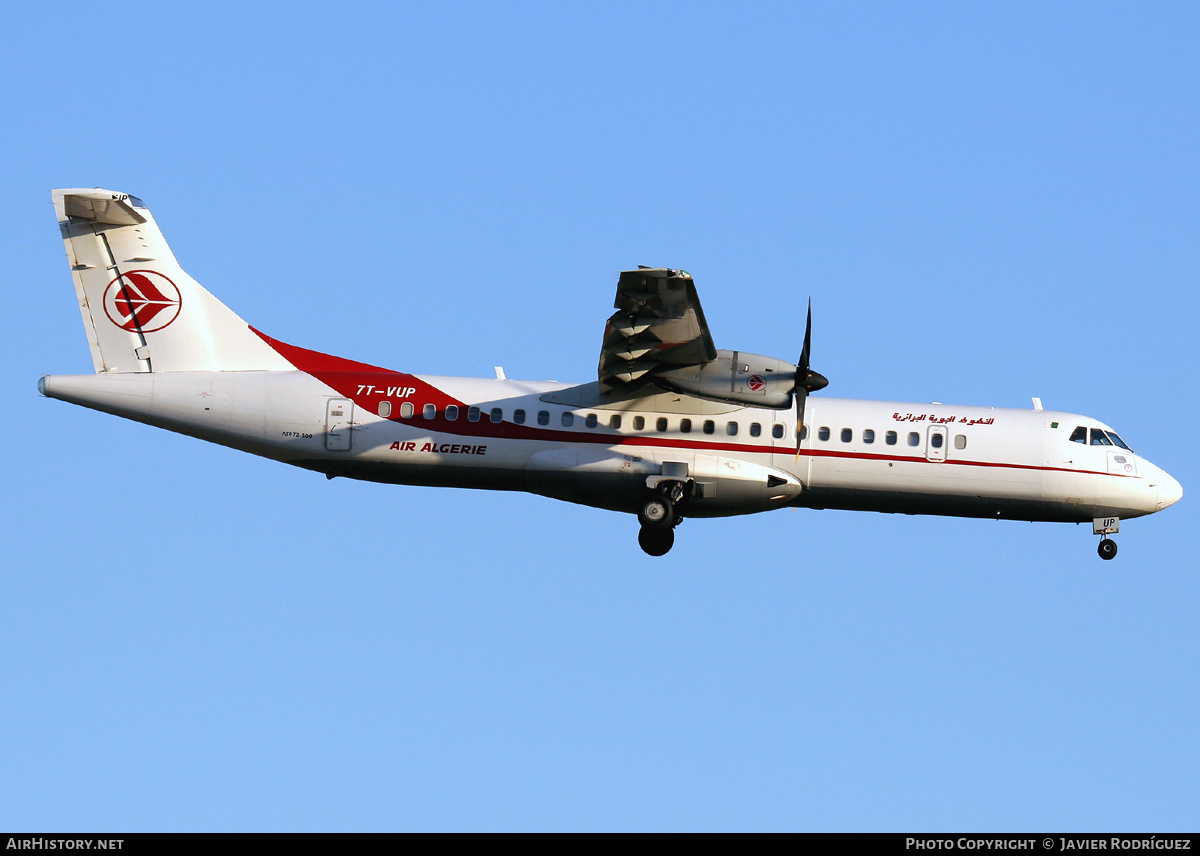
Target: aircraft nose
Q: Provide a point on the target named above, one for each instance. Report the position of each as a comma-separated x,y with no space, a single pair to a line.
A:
1169,491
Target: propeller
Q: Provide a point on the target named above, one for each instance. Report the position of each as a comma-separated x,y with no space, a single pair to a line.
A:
807,380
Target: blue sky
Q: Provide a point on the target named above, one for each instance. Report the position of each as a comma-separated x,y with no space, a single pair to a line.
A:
985,202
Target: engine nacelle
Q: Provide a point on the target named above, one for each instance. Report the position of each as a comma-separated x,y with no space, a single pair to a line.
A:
737,377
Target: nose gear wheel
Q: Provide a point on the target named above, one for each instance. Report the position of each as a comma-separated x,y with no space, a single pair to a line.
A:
1107,548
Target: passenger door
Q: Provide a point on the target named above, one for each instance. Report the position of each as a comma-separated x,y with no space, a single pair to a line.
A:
339,415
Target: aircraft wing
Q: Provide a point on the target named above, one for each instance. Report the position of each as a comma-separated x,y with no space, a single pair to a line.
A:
658,325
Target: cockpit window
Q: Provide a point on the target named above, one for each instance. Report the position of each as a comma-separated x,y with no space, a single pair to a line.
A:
1099,438
1112,435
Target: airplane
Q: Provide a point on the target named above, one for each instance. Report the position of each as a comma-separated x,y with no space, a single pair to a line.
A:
670,428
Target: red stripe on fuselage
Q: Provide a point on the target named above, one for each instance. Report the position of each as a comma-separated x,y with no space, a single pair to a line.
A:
347,377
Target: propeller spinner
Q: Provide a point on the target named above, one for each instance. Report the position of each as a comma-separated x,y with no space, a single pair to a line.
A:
807,380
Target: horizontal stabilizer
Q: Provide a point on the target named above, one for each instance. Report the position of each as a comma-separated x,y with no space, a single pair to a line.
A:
102,206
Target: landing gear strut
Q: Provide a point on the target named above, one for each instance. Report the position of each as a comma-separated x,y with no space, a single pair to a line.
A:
659,515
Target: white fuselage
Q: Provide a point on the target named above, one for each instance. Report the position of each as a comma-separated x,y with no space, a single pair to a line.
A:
566,442
670,428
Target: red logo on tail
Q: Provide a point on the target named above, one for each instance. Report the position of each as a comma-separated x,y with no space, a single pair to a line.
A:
142,301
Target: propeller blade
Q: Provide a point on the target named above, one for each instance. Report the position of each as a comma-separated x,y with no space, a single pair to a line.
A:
807,380
804,352
801,397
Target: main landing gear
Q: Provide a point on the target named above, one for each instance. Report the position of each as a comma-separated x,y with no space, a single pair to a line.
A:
659,515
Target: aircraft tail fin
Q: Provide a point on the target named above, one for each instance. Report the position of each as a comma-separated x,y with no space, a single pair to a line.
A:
141,311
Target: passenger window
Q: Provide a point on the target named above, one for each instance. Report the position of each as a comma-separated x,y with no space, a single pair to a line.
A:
731,428
914,439
451,412
803,432
890,438
777,431
615,421
429,411
868,435
755,429
497,414
472,414
823,434
406,410
847,435
709,426
936,441
639,422
661,424
543,417
685,426
960,441
1079,435
568,419
385,409
518,416
591,421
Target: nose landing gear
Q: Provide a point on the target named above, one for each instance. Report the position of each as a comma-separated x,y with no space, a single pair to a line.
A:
1105,526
